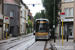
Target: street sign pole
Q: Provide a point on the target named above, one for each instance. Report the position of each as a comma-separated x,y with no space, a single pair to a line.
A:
62,18
6,31
62,31
6,27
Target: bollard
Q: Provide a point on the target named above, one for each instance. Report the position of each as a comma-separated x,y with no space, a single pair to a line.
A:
54,39
67,38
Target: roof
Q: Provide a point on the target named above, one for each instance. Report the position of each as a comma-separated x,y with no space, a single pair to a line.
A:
9,1
24,4
15,2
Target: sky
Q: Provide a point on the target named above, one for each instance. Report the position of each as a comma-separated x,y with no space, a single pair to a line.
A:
36,8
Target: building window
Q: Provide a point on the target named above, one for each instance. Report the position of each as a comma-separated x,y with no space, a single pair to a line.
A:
11,14
0,1
69,0
69,12
21,13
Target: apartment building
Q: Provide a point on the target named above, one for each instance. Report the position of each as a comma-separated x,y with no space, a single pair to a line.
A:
67,7
11,9
1,19
26,17
23,18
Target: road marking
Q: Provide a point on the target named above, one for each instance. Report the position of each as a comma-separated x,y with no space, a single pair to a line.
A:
56,45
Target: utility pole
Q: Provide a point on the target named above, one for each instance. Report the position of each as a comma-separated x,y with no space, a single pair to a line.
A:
54,22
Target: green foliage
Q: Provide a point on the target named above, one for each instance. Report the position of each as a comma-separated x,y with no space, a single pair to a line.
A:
42,14
30,26
29,30
30,23
37,15
49,6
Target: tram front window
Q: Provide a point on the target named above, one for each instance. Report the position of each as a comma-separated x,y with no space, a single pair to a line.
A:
41,27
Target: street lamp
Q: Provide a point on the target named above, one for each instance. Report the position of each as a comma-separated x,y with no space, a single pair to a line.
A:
54,22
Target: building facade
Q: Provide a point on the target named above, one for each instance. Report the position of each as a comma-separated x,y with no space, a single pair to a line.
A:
67,7
1,19
22,18
74,21
11,9
26,18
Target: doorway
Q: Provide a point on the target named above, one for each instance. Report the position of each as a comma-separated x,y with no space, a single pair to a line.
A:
0,32
11,31
70,31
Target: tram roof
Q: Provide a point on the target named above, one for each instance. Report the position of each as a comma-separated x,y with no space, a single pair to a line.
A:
42,19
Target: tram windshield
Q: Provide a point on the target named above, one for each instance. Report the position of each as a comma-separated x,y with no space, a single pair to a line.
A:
41,27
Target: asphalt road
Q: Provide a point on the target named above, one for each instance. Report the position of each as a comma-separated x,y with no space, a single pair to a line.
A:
26,43
18,44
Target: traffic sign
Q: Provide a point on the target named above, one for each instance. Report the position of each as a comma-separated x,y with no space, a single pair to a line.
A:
7,20
62,13
6,29
62,16
33,5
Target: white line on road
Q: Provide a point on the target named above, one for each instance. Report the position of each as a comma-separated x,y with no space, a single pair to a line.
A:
57,45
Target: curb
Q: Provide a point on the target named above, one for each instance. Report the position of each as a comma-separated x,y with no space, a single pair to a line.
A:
13,39
3,42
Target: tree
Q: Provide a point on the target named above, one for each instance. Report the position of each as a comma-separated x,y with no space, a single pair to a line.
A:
37,15
30,26
49,6
42,14
29,22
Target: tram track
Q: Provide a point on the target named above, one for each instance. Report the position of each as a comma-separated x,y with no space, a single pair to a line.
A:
45,45
19,43
51,46
9,41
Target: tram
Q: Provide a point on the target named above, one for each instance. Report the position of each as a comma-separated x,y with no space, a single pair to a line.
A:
42,29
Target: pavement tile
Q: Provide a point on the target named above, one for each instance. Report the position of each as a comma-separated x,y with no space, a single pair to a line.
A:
70,45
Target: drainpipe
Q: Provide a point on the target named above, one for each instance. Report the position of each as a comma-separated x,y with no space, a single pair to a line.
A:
3,18
19,18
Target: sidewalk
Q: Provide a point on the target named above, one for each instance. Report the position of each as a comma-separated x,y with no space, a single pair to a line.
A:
13,38
70,45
